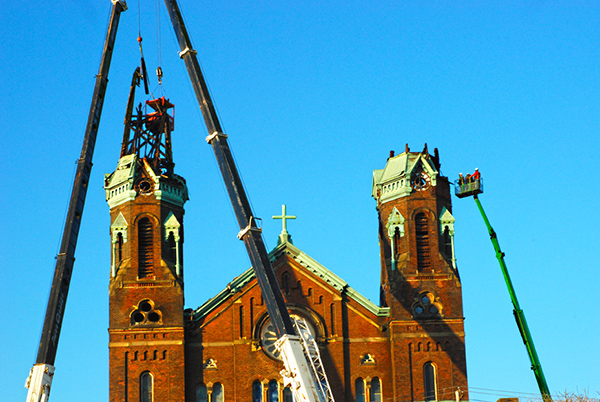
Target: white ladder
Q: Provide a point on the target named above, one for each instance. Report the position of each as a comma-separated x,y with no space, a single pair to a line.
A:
311,351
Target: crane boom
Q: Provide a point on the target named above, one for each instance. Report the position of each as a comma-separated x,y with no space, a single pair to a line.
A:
536,365
40,378
298,370
250,233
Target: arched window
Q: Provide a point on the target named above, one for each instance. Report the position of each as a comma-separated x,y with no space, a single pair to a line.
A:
257,392
359,390
172,247
201,393
146,387
429,380
145,248
217,393
288,395
332,312
447,242
423,247
375,392
273,391
241,322
119,247
251,311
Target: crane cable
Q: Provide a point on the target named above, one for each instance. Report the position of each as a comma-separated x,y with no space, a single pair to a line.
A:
139,39
159,71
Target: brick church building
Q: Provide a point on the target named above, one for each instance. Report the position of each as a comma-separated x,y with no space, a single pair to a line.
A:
410,347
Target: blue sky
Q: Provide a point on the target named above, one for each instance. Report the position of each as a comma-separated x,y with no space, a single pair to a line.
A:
313,96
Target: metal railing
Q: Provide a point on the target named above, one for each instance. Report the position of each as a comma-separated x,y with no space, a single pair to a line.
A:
467,188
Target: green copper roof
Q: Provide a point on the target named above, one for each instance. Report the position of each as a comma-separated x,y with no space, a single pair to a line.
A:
307,263
393,181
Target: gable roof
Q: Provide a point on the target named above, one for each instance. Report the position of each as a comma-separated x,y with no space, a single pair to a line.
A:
306,262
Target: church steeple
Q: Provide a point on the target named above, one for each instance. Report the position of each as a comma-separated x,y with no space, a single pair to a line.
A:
146,200
419,279
416,224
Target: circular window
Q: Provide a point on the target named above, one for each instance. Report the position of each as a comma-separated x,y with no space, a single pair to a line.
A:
138,317
145,306
154,317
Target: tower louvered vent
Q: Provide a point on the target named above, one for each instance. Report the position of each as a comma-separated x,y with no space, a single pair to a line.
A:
145,248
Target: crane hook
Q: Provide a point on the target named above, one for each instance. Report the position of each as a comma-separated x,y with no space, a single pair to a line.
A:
159,73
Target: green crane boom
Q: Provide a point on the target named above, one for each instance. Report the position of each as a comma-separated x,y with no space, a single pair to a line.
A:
536,366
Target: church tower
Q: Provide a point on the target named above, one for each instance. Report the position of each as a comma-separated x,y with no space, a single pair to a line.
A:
146,199
419,278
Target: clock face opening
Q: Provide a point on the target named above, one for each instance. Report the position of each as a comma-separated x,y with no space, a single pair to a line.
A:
268,336
421,181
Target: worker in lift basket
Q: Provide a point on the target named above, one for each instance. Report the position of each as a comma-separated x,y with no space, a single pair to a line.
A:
461,182
476,175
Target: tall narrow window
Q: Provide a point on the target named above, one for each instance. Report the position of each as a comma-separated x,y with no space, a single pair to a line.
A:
251,311
375,392
429,379
257,392
119,247
172,247
145,248
359,389
423,247
332,312
217,393
273,391
288,396
241,322
201,393
146,387
447,242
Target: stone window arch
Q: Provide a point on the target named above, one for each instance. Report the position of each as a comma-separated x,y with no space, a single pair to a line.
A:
429,381
447,230
218,395
375,394
395,228
359,390
146,387
119,237
172,229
